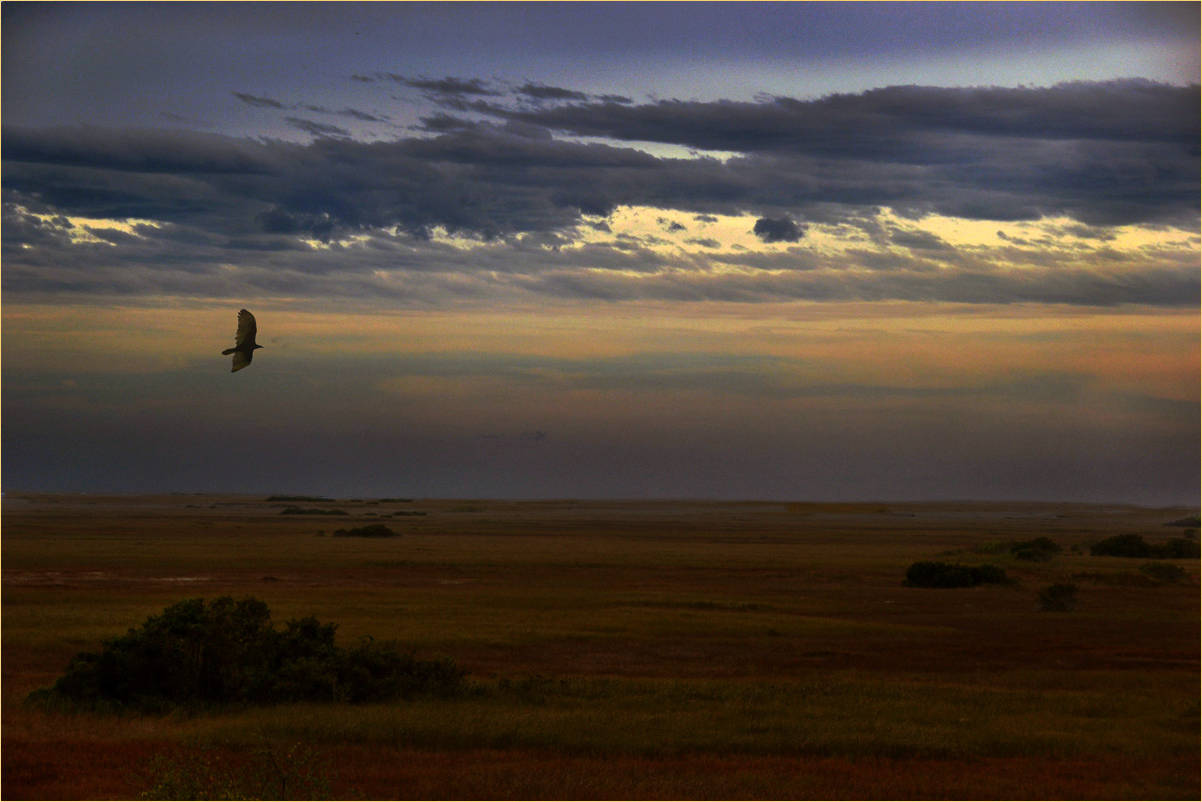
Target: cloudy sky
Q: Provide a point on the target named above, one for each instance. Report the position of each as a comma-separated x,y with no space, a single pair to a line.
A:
781,251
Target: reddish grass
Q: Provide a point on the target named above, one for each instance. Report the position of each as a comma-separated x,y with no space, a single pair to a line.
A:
72,769
111,770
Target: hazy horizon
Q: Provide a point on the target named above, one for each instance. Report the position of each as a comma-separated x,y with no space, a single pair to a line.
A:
783,252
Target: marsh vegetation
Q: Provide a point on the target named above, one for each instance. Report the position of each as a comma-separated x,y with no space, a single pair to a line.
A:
646,650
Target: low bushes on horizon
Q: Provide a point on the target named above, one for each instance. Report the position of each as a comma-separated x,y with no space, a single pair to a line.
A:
311,511
371,530
299,498
198,653
942,575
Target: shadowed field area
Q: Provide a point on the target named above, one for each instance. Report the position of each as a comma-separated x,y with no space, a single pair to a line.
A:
636,649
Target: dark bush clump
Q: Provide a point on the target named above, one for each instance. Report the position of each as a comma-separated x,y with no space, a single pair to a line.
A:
1189,521
1178,548
225,651
989,575
1132,545
1041,549
1058,598
1164,573
942,575
311,511
298,498
371,530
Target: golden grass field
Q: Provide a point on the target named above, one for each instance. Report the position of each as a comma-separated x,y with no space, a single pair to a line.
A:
635,649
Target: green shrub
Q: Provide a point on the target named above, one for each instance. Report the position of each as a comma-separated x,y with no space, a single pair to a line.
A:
1040,549
989,575
1178,548
942,575
1131,545
371,530
225,651
1058,598
1164,573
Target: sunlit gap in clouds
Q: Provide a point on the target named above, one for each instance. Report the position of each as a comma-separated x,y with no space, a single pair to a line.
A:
661,150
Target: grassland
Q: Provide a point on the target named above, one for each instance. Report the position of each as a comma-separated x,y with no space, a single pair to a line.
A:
650,650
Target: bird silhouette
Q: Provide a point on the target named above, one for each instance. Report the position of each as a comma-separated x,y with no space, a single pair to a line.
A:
244,341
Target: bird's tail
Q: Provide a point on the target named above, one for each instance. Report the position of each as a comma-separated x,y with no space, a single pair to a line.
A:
227,352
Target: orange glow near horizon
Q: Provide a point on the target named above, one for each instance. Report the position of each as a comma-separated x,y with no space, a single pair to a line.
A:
1152,352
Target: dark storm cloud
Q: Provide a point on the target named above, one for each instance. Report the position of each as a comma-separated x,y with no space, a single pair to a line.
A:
445,86
353,114
316,128
543,92
22,229
777,229
1105,153
875,123
444,123
272,103
516,178
135,151
259,102
919,240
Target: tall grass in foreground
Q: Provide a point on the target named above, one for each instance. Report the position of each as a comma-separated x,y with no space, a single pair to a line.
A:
271,771
850,715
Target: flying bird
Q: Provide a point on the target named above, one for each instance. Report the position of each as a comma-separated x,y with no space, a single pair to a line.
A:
244,341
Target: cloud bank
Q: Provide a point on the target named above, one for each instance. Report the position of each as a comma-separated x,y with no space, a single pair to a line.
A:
526,178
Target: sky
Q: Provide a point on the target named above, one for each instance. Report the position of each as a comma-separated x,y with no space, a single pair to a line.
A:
794,251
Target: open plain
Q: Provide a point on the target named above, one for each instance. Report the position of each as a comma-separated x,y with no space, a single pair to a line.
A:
635,649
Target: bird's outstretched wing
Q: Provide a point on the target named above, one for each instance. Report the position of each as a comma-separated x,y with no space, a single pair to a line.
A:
247,329
241,360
